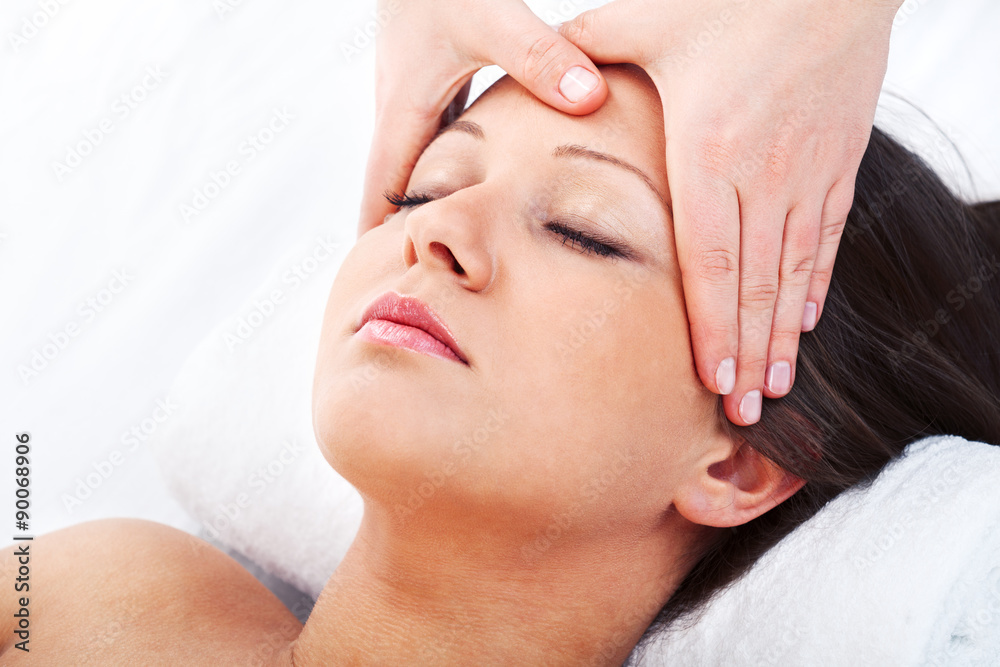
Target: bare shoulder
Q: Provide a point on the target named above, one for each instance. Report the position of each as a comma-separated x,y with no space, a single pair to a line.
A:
121,591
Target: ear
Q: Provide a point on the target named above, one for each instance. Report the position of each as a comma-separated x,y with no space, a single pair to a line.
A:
730,487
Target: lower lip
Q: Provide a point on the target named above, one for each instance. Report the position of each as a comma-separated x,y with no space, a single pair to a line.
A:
399,335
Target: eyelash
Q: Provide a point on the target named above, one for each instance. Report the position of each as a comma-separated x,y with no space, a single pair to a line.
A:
584,243
400,200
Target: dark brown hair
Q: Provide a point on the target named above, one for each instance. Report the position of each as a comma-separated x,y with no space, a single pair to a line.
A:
908,346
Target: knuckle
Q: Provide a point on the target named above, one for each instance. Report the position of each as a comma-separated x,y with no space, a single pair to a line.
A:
822,276
541,57
776,163
797,273
784,339
801,239
717,265
579,28
716,152
765,170
833,229
759,293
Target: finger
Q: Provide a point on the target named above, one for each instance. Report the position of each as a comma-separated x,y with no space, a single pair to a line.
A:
707,235
609,34
798,255
761,231
401,134
554,69
835,209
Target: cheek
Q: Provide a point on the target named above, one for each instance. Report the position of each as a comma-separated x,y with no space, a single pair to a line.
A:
606,374
376,256
368,269
622,341
372,263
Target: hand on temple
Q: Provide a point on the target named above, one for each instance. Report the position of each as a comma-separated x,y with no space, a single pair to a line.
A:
425,57
768,108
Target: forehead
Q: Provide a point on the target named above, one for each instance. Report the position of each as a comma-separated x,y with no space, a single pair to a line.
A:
629,125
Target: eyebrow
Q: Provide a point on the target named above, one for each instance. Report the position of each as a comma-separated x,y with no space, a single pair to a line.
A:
567,150
573,150
466,126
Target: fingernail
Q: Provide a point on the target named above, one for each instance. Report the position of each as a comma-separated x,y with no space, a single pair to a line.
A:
750,407
809,316
577,83
778,377
725,375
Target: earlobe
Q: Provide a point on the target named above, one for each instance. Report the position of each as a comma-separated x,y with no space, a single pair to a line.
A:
731,491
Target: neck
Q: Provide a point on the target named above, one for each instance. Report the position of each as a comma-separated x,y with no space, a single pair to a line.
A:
407,593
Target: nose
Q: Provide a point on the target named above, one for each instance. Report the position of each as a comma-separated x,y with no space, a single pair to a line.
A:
448,235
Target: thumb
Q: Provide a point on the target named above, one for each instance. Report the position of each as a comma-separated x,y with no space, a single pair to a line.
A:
543,61
609,34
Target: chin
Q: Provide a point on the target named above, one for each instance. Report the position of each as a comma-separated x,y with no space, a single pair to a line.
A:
384,417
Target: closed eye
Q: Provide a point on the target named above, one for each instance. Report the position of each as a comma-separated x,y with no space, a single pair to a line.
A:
584,243
400,200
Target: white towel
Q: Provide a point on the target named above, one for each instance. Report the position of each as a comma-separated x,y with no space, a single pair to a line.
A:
903,572
240,454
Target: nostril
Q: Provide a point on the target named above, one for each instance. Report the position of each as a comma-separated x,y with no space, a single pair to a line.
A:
442,252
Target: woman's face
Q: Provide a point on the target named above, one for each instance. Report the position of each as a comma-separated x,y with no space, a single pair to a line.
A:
547,250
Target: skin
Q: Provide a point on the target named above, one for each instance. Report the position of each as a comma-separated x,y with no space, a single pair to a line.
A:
603,469
598,468
135,592
768,107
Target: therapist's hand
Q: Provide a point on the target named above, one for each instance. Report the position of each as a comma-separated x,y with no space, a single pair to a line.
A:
425,56
768,108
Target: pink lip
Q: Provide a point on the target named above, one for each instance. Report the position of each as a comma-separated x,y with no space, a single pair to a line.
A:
408,322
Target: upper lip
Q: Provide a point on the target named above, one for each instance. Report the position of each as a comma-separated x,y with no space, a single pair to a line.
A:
412,312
